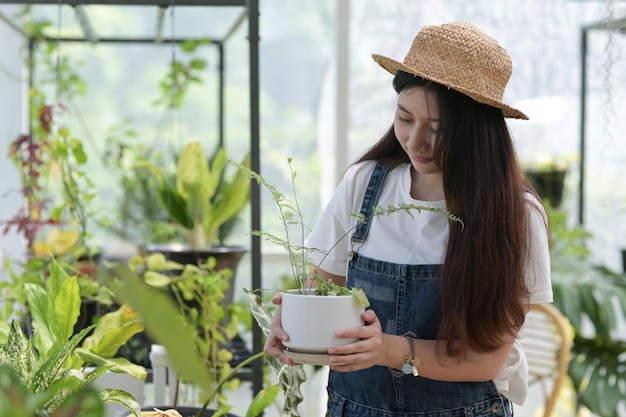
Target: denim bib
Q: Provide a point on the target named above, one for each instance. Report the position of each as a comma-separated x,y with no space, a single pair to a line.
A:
405,299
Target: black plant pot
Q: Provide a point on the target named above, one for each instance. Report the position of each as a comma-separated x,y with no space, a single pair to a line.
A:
226,257
549,184
137,350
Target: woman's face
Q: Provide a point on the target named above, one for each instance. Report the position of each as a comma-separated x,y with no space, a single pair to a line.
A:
415,124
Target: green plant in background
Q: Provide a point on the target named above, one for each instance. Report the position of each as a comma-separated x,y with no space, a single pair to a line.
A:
61,246
49,158
198,291
54,188
16,401
593,298
137,218
201,198
51,365
192,336
182,75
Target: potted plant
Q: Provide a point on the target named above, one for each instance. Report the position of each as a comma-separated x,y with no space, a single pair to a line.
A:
193,337
317,296
316,309
49,369
547,173
136,218
201,198
593,298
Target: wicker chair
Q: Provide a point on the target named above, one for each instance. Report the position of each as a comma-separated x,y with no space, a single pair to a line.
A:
547,340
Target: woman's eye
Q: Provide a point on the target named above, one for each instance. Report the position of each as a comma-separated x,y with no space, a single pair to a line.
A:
402,119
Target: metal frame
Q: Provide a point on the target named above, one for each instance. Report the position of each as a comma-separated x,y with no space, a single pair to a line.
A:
606,25
251,14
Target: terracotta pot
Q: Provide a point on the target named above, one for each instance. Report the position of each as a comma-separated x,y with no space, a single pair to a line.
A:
312,320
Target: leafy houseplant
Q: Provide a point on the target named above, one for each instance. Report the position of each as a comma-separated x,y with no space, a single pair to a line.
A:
48,370
202,199
593,298
194,337
548,173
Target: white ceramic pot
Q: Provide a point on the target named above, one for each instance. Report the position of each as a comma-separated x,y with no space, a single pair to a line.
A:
312,320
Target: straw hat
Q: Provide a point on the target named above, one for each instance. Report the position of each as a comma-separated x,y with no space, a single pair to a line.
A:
462,57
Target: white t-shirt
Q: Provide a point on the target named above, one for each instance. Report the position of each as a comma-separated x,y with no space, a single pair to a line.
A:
388,240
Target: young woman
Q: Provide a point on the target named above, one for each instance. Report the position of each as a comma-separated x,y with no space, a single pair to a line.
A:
447,300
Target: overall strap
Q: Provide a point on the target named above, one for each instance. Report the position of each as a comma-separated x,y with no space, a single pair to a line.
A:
374,187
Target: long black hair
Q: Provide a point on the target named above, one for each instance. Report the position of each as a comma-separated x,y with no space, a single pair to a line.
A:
483,288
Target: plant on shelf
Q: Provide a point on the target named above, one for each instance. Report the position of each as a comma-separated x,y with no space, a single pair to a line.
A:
316,308
48,371
200,197
189,325
136,218
593,298
547,173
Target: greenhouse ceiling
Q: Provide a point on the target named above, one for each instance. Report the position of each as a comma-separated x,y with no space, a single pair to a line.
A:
82,20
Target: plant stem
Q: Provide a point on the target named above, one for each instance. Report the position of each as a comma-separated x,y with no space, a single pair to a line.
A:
228,377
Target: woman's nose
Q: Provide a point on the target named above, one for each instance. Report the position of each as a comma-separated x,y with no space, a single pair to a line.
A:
419,139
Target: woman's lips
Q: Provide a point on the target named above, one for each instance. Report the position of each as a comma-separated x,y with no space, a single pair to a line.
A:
421,159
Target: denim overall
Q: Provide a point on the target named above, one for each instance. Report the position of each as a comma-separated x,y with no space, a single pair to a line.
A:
405,299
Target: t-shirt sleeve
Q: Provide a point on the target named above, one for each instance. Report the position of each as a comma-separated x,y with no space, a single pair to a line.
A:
537,269
329,241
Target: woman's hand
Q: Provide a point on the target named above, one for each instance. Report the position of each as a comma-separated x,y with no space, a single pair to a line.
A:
274,343
362,354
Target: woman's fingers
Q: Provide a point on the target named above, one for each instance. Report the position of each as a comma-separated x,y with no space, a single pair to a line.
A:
274,343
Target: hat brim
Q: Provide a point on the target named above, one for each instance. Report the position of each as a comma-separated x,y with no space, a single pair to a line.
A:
393,66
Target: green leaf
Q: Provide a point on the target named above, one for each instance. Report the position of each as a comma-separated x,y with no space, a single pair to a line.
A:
84,402
157,279
14,401
66,308
114,329
41,319
195,181
52,361
122,398
78,151
598,372
118,365
290,378
18,353
361,297
262,400
164,324
176,206
260,313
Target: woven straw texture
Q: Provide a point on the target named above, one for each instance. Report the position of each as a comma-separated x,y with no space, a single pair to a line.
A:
462,57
